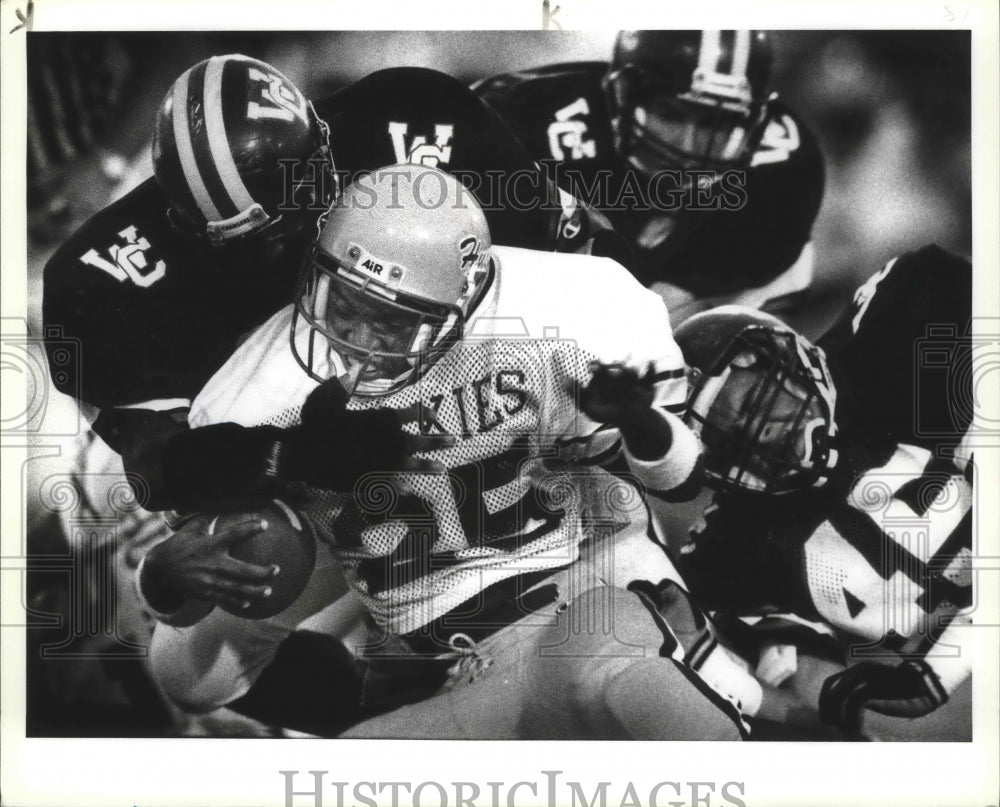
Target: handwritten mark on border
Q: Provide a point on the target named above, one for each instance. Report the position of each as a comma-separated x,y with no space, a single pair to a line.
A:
24,18
548,16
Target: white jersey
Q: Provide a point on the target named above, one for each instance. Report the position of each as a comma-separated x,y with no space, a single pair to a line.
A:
519,488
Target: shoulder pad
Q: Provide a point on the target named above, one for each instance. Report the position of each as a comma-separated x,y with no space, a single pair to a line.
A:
933,260
567,77
907,333
413,91
921,284
407,114
559,113
563,71
142,210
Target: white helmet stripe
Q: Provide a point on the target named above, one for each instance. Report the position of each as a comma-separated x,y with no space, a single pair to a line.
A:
711,50
185,150
218,142
741,53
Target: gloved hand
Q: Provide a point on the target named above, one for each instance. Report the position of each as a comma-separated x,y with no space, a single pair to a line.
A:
908,689
618,396
333,448
229,467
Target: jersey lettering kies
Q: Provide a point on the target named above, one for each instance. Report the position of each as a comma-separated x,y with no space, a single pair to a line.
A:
520,489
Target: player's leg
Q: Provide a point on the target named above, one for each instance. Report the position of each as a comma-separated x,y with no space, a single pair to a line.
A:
214,662
609,670
480,693
312,684
590,668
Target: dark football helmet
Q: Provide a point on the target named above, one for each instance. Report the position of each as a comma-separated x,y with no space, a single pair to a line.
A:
689,99
400,261
240,153
762,400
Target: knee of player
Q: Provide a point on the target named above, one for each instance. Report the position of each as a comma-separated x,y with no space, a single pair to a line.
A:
193,676
656,699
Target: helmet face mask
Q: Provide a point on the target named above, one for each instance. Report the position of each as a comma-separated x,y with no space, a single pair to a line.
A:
378,341
762,402
689,100
680,134
398,265
241,156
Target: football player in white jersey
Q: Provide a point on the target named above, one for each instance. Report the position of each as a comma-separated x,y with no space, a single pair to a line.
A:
499,546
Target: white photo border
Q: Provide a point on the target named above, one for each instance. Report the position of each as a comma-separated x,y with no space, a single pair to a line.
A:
156,772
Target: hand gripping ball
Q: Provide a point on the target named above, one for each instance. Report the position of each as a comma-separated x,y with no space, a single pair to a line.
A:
289,542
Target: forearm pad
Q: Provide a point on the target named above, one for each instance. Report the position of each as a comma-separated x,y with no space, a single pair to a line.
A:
223,467
230,467
334,454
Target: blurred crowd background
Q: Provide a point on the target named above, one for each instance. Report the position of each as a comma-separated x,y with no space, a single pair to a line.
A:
891,111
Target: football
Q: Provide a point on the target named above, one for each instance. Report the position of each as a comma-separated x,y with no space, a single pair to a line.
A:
289,542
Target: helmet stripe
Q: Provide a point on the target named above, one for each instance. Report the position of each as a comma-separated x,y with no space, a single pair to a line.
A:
710,51
202,149
741,53
185,150
218,140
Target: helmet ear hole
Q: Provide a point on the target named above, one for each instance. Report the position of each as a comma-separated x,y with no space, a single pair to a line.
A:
181,224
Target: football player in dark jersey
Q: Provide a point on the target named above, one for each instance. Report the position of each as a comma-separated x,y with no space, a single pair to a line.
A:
714,183
844,487
159,287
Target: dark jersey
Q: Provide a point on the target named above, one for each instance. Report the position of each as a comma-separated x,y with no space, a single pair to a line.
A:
758,224
156,314
902,353
421,116
883,551
885,559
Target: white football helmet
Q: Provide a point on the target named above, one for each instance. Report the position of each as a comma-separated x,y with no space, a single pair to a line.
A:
399,262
